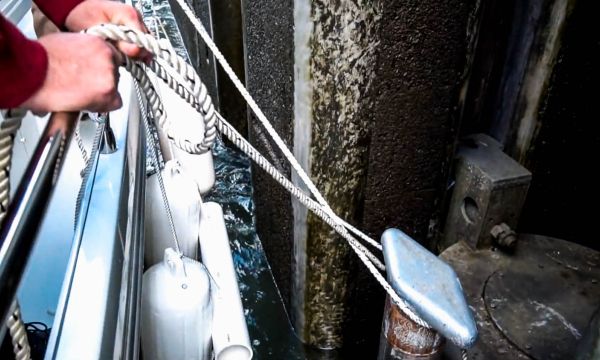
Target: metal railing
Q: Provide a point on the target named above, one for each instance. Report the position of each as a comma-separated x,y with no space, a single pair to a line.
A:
26,210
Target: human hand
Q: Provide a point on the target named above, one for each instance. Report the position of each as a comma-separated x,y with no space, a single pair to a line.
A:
95,12
82,74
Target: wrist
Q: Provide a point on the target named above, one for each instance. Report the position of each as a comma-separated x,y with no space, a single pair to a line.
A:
73,18
58,11
39,73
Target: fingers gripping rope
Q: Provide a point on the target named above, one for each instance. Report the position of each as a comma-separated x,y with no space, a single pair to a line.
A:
195,93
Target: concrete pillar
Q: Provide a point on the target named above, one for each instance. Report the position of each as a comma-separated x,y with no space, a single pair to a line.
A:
335,48
363,92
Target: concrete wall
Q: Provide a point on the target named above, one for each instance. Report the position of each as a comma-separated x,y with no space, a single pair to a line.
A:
269,49
534,90
420,63
379,138
566,147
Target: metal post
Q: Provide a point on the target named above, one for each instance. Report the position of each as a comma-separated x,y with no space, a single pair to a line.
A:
403,339
432,291
24,214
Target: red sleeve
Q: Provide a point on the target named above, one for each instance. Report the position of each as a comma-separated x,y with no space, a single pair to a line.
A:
23,65
57,10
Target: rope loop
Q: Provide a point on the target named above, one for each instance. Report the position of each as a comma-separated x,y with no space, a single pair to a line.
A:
193,91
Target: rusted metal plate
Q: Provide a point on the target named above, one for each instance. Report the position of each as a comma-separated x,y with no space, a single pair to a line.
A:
535,303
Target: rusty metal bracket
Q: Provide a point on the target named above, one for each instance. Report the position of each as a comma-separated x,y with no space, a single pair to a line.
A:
490,189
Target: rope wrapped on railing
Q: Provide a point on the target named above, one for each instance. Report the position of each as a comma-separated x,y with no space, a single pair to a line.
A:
8,131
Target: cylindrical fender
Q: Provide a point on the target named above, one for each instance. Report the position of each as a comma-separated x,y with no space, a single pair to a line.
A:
176,310
184,201
230,332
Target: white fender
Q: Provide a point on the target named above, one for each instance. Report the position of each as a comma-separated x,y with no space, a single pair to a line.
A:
176,310
184,201
230,333
188,123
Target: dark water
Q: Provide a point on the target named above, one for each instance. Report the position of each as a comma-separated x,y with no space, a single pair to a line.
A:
271,334
270,331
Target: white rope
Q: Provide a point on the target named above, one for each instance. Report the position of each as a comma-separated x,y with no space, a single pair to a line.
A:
80,145
197,92
232,134
197,95
8,130
154,158
18,334
267,125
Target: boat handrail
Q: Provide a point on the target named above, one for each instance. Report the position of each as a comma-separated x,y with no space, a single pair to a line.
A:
26,210
15,10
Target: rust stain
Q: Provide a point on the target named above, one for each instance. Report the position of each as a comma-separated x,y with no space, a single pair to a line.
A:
406,336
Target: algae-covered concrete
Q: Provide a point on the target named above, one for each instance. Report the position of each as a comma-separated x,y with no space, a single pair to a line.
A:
342,49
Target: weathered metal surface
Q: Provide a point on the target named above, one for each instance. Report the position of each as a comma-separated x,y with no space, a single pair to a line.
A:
403,339
430,286
490,189
534,303
544,49
504,236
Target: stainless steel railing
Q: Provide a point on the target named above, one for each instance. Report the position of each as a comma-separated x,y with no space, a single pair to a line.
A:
24,214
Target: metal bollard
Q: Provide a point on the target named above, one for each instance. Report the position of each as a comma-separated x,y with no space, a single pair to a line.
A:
431,288
403,339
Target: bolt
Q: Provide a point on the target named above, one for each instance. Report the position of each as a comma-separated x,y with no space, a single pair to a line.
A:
504,236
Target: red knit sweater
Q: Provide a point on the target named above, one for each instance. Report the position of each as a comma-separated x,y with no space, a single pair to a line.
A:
23,62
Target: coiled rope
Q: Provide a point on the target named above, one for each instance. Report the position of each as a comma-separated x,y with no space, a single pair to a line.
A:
187,84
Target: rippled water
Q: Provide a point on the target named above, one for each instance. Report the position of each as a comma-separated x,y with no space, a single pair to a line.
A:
271,334
270,331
